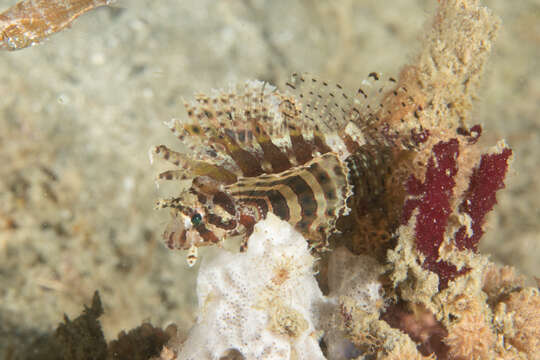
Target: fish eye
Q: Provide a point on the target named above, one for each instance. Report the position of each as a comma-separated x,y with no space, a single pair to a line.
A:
196,219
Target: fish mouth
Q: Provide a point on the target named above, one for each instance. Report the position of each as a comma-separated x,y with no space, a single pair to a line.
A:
175,234
175,240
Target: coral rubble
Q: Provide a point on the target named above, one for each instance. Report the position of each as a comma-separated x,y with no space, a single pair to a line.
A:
83,339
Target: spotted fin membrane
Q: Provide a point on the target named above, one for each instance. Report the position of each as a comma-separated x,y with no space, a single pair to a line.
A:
251,149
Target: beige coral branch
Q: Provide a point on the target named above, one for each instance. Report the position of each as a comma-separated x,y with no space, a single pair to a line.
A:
445,76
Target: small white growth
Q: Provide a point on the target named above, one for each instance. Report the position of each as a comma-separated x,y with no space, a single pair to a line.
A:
151,154
355,133
171,123
354,277
336,143
262,303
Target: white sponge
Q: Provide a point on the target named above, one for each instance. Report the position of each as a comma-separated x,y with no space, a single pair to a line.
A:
262,303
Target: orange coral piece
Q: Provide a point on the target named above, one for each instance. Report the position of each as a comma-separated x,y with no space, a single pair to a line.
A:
501,280
471,337
28,22
525,305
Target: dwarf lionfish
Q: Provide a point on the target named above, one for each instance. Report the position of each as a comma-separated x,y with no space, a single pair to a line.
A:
252,149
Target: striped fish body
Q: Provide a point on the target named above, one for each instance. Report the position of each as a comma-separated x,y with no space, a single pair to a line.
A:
311,197
252,150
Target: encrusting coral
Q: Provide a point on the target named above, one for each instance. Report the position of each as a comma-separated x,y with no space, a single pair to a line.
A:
83,339
521,326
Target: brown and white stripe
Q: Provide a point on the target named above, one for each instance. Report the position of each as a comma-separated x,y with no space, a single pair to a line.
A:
310,197
252,150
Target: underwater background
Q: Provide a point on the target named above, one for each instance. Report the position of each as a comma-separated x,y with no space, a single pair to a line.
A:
79,112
